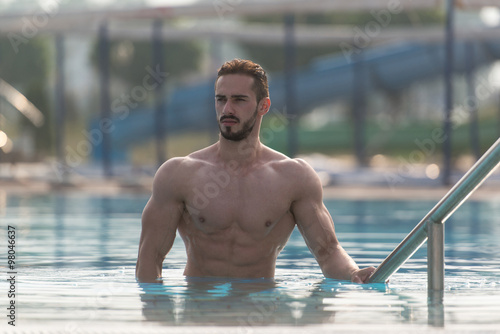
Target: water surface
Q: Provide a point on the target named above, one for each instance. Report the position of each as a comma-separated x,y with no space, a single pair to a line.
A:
76,259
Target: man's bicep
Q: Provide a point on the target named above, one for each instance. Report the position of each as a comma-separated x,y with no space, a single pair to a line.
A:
159,225
312,217
316,226
160,219
163,211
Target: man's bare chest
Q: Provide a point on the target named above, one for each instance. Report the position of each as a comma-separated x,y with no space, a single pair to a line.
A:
254,204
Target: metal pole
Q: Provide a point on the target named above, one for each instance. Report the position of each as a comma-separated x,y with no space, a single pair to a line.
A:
448,76
60,106
290,55
216,60
440,213
498,115
471,93
401,253
160,130
105,105
359,108
435,256
435,308
435,273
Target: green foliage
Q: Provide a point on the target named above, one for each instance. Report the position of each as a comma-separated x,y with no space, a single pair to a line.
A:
355,18
129,59
30,64
338,138
271,57
44,135
28,71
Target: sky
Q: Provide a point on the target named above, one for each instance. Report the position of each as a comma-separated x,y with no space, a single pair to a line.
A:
104,2
489,15
29,5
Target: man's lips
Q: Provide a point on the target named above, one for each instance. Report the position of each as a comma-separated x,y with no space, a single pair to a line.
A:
229,121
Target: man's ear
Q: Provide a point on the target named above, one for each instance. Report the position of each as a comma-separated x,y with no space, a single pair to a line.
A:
264,106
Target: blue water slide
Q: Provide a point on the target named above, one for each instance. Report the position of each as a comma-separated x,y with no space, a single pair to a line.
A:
390,68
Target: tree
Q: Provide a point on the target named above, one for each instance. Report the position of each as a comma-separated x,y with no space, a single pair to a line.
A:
27,68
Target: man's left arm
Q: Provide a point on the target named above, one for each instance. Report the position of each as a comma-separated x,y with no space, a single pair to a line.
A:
317,228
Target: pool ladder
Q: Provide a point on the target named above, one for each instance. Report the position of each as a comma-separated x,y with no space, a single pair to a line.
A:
431,227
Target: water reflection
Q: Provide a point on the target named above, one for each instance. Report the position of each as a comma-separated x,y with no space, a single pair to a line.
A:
435,308
91,237
247,303
105,216
59,231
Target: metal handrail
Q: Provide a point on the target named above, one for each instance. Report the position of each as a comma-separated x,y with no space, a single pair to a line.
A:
439,214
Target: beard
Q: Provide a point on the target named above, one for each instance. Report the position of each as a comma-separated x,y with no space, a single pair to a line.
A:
238,135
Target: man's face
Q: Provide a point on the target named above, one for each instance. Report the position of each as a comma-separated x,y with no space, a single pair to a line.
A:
236,106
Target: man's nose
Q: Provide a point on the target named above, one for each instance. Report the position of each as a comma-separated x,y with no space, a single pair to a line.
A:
228,109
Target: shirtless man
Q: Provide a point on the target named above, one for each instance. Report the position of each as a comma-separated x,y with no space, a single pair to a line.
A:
236,202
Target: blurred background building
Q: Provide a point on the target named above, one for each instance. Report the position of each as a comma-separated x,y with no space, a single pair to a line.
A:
114,88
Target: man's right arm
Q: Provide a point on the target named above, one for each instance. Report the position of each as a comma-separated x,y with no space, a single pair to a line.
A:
159,222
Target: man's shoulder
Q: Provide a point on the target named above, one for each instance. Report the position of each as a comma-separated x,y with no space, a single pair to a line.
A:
180,165
296,169
306,182
289,165
174,174
301,172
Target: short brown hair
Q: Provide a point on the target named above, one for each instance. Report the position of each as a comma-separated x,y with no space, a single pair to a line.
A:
247,67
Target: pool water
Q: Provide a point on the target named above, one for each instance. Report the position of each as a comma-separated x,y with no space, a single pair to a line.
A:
75,262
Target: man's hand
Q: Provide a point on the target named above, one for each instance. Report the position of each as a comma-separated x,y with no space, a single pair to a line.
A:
362,275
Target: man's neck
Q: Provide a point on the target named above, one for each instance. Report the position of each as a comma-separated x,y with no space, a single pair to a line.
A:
244,152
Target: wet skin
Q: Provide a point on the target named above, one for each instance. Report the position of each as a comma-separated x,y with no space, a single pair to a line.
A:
236,202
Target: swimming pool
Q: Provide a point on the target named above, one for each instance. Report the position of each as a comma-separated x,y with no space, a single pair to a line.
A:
75,261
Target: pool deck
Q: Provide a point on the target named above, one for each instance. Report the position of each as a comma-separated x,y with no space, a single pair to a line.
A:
147,328
344,183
